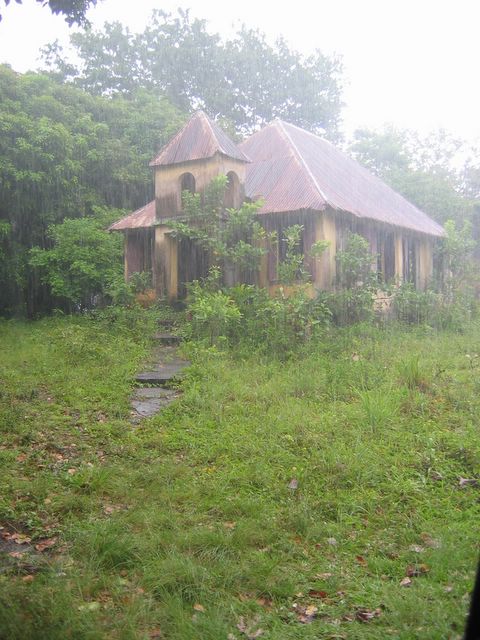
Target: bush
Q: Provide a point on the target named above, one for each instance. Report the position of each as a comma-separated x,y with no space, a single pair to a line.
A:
357,283
82,261
213,314
246,316
431,308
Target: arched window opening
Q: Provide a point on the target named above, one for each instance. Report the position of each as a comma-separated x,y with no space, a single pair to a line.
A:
187,183
232,191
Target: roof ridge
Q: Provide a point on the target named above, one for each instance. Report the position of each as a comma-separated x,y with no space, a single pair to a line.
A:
199,135
302,159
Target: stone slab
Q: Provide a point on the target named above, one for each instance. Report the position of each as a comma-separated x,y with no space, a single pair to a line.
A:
150,403
167,338
161,373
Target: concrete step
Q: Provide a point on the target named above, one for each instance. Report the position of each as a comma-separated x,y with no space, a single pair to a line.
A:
148,401
162,373
167,338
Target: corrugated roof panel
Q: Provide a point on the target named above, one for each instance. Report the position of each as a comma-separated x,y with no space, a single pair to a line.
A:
199,139
139,219
319,168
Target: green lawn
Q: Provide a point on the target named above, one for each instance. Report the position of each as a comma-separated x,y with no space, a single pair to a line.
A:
273,500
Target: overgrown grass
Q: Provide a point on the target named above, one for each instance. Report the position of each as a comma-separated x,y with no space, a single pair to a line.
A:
189,525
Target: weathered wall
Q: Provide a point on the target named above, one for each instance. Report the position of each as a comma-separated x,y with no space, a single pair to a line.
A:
325,265
424,262
138,251
167,181
165,272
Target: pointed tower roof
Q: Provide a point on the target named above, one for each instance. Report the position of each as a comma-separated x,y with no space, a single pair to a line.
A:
199,139
294,170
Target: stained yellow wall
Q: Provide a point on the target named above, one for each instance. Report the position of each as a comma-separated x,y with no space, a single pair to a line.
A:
424,263
167,181
398,257
165,273
325,266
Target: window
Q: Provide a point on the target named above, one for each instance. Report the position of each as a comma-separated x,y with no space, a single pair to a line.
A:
187,183
232,191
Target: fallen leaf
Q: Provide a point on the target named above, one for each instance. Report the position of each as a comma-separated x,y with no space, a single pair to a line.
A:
406,582
199,607
448,589
154,634
318,593
247,628
28,578
293,484
264,602
435,475
416,548
20,538
46,544
323,576
365,615
71,471
306,615
466,482
355,357
332,541
430,542
22,457
414,570
16,554
229,525
361,560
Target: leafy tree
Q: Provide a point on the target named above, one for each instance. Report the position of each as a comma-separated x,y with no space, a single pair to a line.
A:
74,11
64,152
83,260
246,79
420,168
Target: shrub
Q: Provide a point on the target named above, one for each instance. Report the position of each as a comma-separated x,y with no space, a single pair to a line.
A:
356,281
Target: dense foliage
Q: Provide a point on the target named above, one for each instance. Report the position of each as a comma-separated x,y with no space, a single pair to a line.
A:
83,262
423,169
63,154
245,79
231,237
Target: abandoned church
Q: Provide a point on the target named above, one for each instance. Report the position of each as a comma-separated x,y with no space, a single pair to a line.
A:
300,179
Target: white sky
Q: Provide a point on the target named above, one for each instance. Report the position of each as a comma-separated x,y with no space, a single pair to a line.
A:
413,63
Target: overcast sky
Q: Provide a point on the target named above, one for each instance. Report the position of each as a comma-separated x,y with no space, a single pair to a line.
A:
412,63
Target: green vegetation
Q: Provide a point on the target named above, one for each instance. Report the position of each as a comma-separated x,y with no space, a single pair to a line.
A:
334,495
232,238
67,154
244,78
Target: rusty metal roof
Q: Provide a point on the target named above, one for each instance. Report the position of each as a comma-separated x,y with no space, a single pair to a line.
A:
139,219
293,169
199,139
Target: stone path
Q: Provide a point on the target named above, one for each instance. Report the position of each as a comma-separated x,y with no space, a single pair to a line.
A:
154,390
